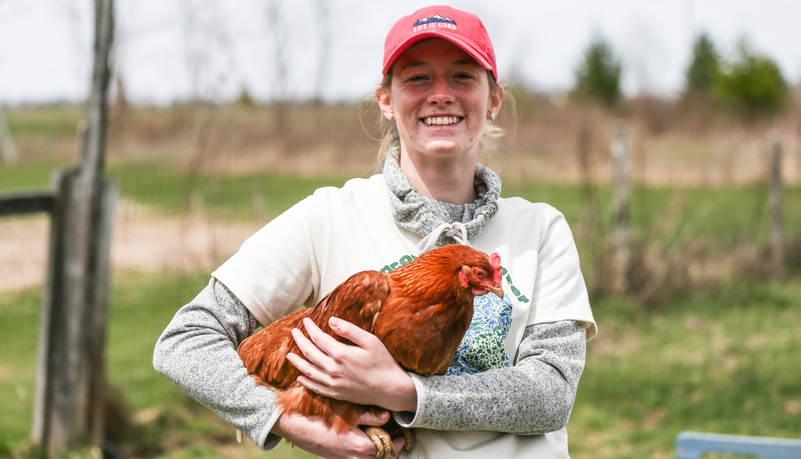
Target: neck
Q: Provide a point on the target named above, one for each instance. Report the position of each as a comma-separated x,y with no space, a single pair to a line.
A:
443,180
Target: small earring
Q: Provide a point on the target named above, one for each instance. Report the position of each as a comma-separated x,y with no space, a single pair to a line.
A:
492,116
389,116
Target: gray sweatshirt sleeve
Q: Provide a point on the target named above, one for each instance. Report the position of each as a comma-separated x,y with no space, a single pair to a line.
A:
534,396
198,352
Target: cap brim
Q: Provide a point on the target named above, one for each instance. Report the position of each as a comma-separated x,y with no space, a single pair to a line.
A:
463,45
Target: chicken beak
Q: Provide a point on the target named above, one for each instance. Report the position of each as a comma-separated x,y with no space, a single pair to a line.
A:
497,290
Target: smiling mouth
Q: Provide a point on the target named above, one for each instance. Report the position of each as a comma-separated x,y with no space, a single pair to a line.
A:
441,120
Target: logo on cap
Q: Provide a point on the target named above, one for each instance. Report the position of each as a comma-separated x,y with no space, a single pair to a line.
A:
435,20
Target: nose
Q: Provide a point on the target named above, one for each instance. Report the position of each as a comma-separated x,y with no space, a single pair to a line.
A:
441,92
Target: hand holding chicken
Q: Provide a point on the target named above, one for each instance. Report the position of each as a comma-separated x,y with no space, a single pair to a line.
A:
364,373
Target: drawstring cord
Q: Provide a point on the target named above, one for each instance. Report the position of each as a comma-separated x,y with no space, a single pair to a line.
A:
455,230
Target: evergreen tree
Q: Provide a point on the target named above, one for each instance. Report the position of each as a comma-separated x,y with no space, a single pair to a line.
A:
703,69
598,75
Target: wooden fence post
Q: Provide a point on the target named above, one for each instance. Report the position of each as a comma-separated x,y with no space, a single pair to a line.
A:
777,213
69,401
72,330
620,230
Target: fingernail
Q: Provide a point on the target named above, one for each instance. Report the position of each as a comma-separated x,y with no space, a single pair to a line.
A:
334,322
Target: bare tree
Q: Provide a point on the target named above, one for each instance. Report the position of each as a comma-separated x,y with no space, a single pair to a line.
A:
122,30
74,14
276,37
645,59
207,55
194,54
323,10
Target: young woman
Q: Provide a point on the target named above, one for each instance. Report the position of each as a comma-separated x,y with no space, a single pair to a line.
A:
511,386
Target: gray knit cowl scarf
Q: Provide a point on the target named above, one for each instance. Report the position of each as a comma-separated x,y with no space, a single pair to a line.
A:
441,223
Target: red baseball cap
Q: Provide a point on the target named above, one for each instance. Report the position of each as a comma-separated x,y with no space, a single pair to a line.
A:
463,29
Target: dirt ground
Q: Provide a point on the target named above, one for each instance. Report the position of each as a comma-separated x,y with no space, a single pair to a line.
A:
142,241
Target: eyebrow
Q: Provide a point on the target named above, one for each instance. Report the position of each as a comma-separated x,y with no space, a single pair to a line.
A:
455,63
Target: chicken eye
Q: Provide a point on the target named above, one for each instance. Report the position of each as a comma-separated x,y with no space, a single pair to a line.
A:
480,273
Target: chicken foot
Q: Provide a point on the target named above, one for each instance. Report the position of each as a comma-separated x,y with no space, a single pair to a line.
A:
409,436
383,441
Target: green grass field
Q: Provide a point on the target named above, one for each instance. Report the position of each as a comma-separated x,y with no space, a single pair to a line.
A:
722,363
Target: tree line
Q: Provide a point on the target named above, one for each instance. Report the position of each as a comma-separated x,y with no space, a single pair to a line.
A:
748,82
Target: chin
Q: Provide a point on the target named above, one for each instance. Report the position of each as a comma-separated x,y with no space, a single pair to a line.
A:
443,147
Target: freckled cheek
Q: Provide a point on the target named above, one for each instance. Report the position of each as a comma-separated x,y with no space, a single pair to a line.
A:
408,118
476,129
408,127
406,102
409,134
478,104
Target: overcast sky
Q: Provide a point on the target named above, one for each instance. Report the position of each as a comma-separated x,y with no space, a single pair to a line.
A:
177,49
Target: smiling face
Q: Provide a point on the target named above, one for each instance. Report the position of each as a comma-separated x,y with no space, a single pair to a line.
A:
440,98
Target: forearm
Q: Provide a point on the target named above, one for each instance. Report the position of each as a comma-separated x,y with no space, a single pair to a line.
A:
197,352
534,396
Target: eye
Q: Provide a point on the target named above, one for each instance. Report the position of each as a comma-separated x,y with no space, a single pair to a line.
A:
464,77
479,273
417,78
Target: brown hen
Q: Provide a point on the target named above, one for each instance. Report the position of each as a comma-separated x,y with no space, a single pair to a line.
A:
420,312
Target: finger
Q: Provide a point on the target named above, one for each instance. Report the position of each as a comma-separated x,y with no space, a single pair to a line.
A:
317,387
374,418
356,335
310,350
399,442
305,368
325,342
311,376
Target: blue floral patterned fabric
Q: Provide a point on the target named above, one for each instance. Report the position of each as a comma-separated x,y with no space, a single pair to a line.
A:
482,347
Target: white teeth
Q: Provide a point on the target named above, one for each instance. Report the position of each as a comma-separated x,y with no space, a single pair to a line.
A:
442,120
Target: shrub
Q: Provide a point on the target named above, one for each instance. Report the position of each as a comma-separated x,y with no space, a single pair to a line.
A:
751,84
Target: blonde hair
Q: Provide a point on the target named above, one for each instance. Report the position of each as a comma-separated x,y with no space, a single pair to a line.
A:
390,138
